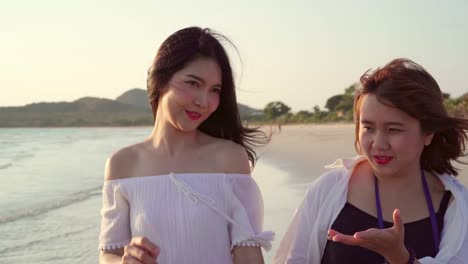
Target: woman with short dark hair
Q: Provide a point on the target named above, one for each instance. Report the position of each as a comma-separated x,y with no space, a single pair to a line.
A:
400,201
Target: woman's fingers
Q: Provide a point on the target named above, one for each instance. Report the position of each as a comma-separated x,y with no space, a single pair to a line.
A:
141,250
336,236
126,259
139,254
363,239
146,244
397,222
348,240
369,234
332,233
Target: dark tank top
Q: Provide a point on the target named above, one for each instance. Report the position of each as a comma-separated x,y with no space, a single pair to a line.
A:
351,219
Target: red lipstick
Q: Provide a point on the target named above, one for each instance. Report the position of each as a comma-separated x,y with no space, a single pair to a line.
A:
193,115
382,160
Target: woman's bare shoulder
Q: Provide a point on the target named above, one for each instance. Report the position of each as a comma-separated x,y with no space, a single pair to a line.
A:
233,156
122,162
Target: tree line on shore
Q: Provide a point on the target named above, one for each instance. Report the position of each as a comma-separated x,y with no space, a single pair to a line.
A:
338,108
132,109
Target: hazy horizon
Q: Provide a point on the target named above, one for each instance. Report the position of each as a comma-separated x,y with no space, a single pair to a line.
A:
300,52
75,99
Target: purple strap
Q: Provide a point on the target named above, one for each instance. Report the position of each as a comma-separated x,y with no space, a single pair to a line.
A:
377,202
430,207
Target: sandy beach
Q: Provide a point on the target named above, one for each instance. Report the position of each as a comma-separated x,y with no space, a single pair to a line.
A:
303,150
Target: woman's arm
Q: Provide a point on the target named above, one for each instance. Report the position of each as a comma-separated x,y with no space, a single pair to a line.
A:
235,160
247,255
113,256
140,251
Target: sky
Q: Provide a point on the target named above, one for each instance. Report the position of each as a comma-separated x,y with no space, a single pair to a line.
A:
297,52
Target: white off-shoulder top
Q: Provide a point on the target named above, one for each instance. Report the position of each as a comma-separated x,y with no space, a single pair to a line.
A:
192,217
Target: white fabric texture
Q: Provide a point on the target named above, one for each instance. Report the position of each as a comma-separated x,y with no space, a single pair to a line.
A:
306,237
192,217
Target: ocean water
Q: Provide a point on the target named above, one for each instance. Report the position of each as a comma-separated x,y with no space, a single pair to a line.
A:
50,192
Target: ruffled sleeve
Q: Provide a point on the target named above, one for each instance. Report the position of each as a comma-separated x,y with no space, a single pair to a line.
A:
115,226
245,205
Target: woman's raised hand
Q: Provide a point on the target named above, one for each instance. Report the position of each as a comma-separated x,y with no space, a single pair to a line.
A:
387,242
140,251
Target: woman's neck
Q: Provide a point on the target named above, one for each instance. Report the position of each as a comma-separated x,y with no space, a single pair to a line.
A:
404,180
172,141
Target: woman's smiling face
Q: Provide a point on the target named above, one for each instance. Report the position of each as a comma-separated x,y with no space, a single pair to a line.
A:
391,140
192,94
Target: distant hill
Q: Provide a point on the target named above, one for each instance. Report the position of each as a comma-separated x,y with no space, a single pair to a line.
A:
129,109
136,97
139,97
